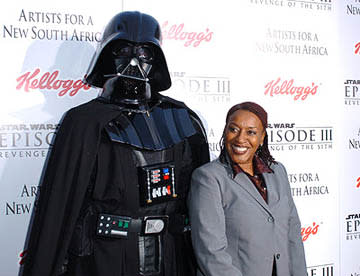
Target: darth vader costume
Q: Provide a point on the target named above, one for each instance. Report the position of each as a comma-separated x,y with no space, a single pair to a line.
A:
113,197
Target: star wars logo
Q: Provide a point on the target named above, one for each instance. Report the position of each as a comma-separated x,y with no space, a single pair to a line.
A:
351,92
321,270
352,9
314,5
26,140
307,184
352,222
288,136
204,89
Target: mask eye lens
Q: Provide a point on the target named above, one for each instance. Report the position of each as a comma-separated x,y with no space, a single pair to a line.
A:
124,51
144,54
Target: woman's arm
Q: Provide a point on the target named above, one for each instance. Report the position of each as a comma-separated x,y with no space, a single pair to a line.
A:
296,247
208,226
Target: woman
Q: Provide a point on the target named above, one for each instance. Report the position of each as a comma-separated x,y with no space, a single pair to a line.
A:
243,218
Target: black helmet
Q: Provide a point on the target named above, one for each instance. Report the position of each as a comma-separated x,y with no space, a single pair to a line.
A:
132,27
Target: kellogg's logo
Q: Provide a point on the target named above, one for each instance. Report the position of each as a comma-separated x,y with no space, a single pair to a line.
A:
357,48
287,87
310,230
49,81
178,32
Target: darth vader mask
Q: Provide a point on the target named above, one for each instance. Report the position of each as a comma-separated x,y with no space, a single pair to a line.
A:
129,59
130,76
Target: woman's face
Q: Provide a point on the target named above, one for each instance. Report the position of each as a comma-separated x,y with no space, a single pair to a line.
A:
243,135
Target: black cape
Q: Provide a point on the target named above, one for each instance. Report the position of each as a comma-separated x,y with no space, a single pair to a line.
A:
65,184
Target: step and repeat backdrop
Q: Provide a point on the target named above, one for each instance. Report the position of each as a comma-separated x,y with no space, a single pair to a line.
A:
299,59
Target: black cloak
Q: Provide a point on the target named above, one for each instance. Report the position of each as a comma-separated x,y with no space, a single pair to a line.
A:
76,172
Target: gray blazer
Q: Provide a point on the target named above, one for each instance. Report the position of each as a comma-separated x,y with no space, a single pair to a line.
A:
235,232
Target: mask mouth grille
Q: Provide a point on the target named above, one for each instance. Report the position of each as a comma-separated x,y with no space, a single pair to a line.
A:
133,90
132,84
133,70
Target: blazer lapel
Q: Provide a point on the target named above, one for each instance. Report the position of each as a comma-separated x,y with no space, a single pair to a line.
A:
249,187
272,189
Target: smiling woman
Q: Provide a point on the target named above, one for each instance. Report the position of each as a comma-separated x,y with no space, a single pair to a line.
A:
243,218
244,134
245,140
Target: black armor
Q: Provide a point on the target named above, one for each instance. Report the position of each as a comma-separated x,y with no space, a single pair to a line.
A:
118,176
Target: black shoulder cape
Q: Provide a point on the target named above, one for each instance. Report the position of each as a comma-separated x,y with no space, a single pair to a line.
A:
65,182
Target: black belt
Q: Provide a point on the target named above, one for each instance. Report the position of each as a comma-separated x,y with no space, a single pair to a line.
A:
119,226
